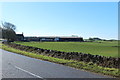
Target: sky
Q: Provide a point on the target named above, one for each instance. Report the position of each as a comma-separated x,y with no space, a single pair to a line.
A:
84,19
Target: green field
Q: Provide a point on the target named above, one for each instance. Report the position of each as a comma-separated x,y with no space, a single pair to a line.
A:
103,48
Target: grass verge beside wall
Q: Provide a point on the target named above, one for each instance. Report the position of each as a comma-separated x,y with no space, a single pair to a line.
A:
79,65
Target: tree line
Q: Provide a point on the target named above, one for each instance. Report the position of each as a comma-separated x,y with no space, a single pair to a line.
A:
7,31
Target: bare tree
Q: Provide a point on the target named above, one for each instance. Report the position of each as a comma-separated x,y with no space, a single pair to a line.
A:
0,32
10,26
8,31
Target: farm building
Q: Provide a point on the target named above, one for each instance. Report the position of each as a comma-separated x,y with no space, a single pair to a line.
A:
61,39
20,37
32,39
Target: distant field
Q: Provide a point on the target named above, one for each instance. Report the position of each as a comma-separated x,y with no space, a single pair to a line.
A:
104,48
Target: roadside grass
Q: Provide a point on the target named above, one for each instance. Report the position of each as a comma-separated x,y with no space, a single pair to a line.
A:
79,65
103,48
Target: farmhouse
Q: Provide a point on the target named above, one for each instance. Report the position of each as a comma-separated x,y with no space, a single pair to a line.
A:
20,37
57,39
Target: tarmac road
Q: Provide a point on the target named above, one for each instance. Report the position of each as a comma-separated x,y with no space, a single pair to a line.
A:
0,64
19,66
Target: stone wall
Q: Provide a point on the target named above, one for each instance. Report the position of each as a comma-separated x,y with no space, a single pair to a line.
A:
78,56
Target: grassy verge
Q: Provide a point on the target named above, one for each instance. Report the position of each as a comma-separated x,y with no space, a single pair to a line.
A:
79,65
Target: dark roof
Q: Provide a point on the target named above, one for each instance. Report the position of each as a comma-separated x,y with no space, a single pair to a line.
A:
59,37
52,37
19,35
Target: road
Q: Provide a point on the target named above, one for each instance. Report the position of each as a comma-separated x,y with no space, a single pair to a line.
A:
19,66
0,64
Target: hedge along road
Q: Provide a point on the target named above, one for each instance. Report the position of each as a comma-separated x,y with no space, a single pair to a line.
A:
19,66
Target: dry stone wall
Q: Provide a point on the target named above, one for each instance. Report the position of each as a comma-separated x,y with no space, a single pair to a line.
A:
78,56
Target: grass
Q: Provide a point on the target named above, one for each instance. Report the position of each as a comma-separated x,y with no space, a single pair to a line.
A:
103,48
79,65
